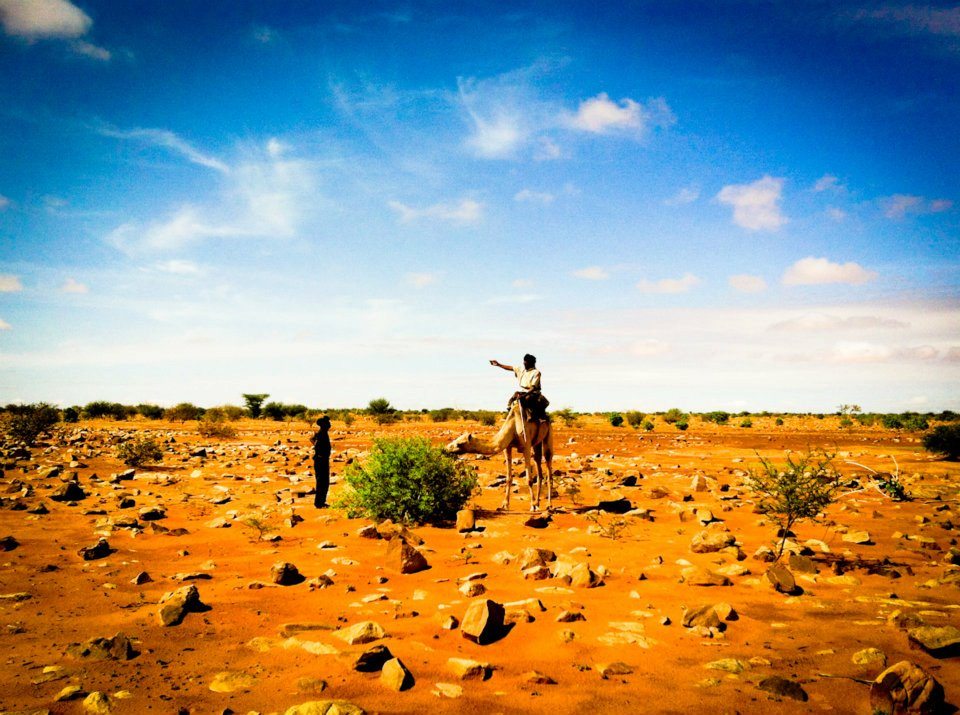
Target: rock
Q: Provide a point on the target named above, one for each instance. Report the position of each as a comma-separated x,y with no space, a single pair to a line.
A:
320,582
71,491
535,557
467,669
782,579
869,656
570,616
411,560
152,513
372,659
705,616
704,516
472,589
448,622
696,576
97,703
537,573
857,537
141,578
326,707
70,692
615,506
706,542
699,483
783,688
117,648
448,690
725,611
905,687
802,564
176,604
607,669
396,676
483,622
284,573
466,520
727,665
8,543
765,553
229,681
368,532
99,550
538,521
311,685
938,641
535,677
582,576
359,633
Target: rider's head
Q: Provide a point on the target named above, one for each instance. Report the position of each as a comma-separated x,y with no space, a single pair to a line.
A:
529,361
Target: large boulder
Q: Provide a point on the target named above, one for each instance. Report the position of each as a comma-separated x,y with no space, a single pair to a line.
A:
326,707
359,633
396,676
117,648
938,641
404,557
483,621
707,541
284,573
176,604
905,688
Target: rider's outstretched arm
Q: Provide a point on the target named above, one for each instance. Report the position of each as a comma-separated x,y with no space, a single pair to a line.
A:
499,364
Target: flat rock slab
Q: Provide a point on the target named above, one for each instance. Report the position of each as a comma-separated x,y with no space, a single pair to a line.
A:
940,641
783,688
360,633
326,707
229,681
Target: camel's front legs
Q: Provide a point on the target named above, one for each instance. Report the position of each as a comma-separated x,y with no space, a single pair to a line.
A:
506,497
549,481
534,504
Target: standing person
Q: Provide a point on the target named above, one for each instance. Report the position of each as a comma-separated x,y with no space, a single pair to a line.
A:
529,393
321,461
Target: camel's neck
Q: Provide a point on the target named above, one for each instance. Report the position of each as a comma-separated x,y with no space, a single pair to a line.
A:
500,441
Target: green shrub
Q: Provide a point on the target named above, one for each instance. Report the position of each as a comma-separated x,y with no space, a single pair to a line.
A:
914,422
442,415
409,481
648,425
779,422
682,425
944,440
800,490
891,421
138,451
71,415
746,423
100,409
232,412
616,419
382,411
273,411
214,424
719,417
182,412
635,419
845,422
150,412
487,418
866,419
568,416
673,415
25,423
254,401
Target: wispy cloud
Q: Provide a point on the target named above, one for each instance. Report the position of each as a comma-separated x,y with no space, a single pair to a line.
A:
10,284
33,19
94,52
591,273
819,271
828,182
602,115
821,322
756,206
669,285
899,206
71,285
686,195
746,283
542,197
178,267
4,325
464,211
499,114
264,35
4,202
915,19
166,139
421,280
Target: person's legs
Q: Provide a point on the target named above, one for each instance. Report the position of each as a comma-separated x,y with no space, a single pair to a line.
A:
321,468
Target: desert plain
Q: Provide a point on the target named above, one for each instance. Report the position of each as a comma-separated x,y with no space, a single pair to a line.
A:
600,605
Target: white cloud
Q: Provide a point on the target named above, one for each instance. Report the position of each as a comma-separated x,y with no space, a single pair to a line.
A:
542,197
421,280
73,286
275,147
756,206
591,273
94,52
818,271
10,284
820,322
601,115
34,19
860,352
900,205
4,202
168,140
669,285
465,211
746,283
827,182
686,195
547,150
519,298
496,110
4,325
836,214
178,267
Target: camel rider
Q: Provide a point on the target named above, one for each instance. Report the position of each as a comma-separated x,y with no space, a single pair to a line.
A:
529,393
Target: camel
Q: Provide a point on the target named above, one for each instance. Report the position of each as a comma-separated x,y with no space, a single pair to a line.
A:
518,431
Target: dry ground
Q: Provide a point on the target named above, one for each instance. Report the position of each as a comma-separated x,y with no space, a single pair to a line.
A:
265,472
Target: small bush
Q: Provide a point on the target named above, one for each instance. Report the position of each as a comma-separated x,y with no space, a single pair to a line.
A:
915,423
71,415
409,481
616,419
214,424
444,414
779,422
487,418
682,425
719,417
845,422
182,412
150,412
866,420
673,415
648,425
635,419
253,401
800,490
25,423
891,421
382,411
944,440
138,451
746,423
273,411
568,416
100,409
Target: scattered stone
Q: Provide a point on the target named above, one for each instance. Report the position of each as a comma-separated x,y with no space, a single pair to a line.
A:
311,685
326,707
615,506
537,573
153,513
607,669
938,641
570,617
483,622
396,676
176,604
696,576
783,688
535,677
284,573
534,557
707,542
8,543
16,597
869,657
467,669
466,520
405,557
448,690
857,537
97,703
117,648
360,633
582,576
70,692
782,579
71,491
905,687
229,681
372,659
704,617
802,564
320,582
727,665
538,521
472,589
368,532
99,550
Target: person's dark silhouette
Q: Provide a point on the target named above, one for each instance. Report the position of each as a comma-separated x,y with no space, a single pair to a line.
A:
321,461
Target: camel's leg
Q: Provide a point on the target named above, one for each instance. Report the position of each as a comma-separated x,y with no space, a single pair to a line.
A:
506,497
548,455
527,459
537,456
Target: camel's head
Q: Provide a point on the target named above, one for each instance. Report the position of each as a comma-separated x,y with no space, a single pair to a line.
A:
459,445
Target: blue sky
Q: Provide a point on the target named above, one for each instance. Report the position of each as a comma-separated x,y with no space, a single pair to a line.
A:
740,205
